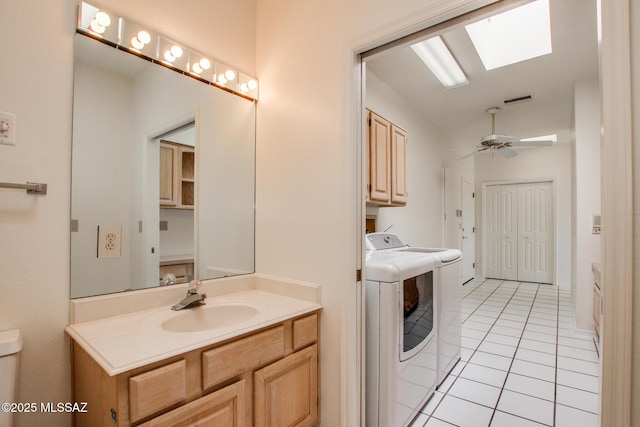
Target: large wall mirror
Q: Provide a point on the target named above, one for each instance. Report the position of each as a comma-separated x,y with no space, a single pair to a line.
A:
163,175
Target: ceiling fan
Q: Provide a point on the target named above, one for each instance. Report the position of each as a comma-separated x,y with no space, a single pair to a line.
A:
503,143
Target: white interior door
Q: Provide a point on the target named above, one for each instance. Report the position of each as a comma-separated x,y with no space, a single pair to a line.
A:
468,244
519,241
509,232
526,234
543,233
493,232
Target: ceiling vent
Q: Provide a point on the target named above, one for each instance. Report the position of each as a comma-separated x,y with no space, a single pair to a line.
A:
518,100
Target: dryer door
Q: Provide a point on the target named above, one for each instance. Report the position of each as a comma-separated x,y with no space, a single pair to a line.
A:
417,312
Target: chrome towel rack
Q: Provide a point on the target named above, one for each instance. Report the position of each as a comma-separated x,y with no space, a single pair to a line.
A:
31,187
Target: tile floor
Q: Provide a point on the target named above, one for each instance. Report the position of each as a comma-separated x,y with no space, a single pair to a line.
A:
522,364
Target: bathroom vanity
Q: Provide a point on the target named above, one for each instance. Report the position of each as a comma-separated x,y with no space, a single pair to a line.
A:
248,358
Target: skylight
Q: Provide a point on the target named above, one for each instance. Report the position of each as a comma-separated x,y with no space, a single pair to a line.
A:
513,36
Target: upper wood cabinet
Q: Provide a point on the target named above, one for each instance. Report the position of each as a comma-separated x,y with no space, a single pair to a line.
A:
386,168
177,176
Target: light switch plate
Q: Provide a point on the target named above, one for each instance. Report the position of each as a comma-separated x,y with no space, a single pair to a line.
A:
109,241
7,128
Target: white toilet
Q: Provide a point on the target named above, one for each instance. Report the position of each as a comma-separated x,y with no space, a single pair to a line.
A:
10,346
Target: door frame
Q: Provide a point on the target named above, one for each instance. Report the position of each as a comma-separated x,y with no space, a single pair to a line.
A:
483,235
617,206
471,182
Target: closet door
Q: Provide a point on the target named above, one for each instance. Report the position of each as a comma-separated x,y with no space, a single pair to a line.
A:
543,233
527,214
509,229
493,233
519,242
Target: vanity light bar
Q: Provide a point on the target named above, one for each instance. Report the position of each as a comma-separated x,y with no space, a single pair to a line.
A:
127,35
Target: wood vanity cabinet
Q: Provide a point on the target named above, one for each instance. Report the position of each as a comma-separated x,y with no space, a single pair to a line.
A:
177,176
264,378
387,165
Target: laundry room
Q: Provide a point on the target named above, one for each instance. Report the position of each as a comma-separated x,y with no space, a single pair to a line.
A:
502,162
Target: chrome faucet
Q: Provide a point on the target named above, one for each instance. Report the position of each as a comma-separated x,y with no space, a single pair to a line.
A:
193,298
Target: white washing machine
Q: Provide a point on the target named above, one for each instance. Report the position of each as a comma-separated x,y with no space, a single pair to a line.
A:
401,358
448,281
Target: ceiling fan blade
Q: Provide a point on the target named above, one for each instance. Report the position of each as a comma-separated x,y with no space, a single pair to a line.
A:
536,143
507,152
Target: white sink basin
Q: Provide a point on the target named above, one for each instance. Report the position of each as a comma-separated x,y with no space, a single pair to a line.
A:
208,317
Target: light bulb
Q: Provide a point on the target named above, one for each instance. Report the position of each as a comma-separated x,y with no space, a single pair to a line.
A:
103,19
197,68
252,84
230,75
96,27
244,88
144,37
205,63
176,51
169,57
222,79
137,44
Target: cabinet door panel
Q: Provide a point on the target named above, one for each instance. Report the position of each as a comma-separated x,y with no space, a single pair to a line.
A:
286,392
380,158
168,171
398,165
223,408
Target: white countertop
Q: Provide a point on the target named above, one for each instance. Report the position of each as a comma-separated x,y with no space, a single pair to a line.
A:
128,341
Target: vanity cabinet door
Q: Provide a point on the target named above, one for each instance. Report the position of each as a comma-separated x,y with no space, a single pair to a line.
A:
286,392
223,408
168,175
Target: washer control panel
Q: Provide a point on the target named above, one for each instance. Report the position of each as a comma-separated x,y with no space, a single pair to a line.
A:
381,241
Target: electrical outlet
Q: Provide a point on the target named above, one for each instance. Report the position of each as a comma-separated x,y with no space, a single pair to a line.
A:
7,128
109,241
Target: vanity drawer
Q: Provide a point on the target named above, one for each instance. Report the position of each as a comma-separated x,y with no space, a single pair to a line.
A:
229,360
305,331
157,389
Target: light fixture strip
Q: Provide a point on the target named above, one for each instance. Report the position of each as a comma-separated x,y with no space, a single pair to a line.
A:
118,32
437,57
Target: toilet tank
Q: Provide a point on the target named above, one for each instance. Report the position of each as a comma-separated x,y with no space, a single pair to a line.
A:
10,347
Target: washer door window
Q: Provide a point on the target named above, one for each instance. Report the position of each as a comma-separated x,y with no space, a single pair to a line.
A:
417,312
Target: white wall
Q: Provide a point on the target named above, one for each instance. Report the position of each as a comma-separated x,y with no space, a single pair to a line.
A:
102,150
419,223
307,153
178,238
36,82
587,198
539,163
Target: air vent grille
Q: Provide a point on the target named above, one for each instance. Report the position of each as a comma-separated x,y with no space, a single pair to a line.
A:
518,100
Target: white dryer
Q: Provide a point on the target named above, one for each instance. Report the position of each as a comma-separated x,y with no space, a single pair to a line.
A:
401,359
448,281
